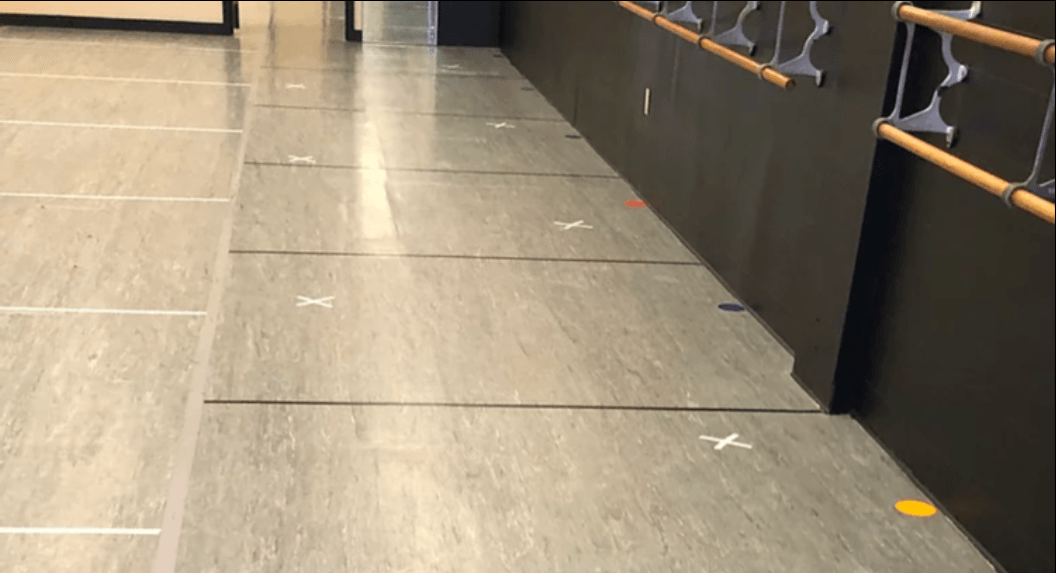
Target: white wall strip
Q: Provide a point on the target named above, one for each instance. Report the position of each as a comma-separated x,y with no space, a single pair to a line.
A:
117,126
56,310
75,531
117,79
118,198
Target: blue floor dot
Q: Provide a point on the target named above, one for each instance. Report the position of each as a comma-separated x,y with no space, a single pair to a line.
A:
731,307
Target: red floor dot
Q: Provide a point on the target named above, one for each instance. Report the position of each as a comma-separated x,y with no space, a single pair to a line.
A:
635,203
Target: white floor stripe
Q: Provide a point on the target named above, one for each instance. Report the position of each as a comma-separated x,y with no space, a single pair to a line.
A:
126,45
117,126
117,197
57,310
119,79
75,531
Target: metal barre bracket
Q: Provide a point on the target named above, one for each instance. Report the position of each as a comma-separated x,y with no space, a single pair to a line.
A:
685,15
894,9
1047,189
1039,54
735,35
876,126
763,68
801,64
929,119
1006,195
656,7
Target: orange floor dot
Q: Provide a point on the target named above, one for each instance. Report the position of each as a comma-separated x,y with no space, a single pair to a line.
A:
916,508
635,203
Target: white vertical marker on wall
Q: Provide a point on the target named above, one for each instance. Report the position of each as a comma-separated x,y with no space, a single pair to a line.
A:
645,109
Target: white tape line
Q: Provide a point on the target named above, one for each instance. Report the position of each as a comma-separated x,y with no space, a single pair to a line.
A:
57,310
117,198
75,531
727,441
112,126
325,302
118,79
576,225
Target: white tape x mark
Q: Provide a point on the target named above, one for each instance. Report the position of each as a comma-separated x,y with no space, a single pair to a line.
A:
502,125
325,302
577,225
727,441
306,159
295,87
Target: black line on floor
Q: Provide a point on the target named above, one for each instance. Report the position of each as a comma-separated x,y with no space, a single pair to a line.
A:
408,112
423,170
500,406
462,257
486,76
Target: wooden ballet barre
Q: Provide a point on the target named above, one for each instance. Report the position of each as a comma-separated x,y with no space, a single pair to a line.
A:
764,71
1043,51
989,182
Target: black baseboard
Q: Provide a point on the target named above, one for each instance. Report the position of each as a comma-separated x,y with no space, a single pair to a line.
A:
351,33
225,28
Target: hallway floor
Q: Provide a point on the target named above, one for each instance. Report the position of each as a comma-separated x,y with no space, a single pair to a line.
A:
279,303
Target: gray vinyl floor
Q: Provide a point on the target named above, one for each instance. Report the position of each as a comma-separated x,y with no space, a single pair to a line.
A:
278,303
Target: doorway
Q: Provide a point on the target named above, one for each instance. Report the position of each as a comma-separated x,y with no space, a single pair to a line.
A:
408,23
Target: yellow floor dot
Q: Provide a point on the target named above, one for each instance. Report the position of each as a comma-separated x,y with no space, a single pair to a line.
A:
916,508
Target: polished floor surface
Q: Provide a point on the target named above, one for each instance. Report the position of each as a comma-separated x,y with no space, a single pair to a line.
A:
278,303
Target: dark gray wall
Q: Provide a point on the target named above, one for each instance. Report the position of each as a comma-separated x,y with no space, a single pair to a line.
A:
474,24
907,296
950,348
763,184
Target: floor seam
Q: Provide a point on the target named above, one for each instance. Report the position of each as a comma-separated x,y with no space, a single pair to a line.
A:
409,112
511,406
461,257
424,73
423,170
